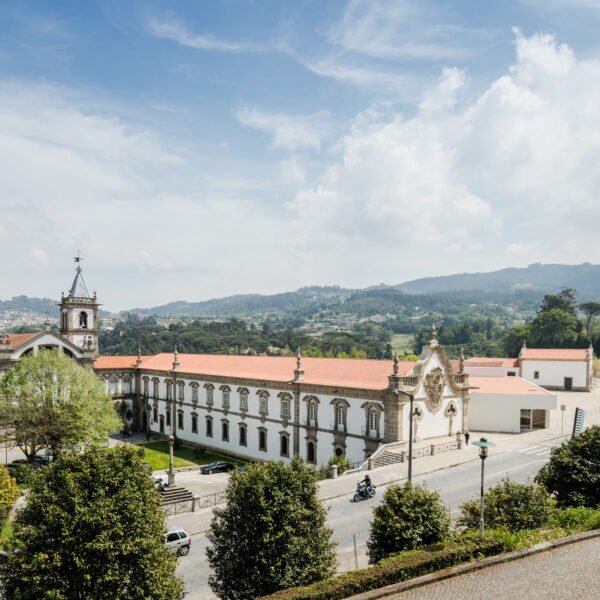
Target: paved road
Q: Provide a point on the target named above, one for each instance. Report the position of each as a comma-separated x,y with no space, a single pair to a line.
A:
456,484
566,573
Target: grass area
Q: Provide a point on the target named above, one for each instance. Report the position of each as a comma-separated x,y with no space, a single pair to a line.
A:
157,455
6,533
402,343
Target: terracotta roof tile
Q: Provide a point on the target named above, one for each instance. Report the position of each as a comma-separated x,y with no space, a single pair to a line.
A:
18,339
516,386
342,372
554,354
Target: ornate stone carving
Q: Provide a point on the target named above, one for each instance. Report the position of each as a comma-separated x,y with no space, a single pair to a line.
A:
434,388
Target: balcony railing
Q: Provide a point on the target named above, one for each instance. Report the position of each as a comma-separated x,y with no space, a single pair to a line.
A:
341,427
371,433
410,381
461,378
310,423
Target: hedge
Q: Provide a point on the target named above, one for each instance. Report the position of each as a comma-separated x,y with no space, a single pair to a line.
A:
394,569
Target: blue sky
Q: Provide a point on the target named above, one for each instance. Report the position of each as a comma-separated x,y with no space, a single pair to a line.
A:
198,149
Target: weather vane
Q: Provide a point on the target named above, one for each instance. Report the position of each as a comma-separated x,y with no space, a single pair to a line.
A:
78,258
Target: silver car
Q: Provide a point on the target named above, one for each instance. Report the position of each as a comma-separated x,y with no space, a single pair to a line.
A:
178,541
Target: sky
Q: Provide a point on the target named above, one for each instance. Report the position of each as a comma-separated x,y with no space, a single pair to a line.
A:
197,149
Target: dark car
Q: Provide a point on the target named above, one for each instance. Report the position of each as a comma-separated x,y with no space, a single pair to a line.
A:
217,467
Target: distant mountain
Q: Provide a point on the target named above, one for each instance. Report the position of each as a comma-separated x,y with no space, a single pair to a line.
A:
497,286
584,278
43,306
252,303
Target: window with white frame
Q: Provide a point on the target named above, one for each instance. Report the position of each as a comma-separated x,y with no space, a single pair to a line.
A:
113,386
373,423
209,395
155,384
146,390
340,417
195,393
244,399
180,391
169,389
127,385
226,391
312,412
285,408
262,404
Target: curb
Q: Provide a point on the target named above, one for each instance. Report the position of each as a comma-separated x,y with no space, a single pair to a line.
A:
417,582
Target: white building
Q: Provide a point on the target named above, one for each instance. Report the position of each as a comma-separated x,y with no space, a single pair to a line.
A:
509,405
266,408
557,368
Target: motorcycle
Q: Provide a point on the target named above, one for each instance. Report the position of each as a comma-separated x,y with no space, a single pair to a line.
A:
363,493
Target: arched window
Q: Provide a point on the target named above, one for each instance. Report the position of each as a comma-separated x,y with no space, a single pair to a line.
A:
127,385
113,386
169,389
155,384
284,443
209,426
168,414
243,435
263,402
373,424
340,417
209,394
83,320
310,453
179,419
285,409
194,423
194,387
262,440
225,391
339,451
225,431
243,399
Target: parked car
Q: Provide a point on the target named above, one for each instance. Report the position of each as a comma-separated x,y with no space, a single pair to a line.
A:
20,462
178,541
217,467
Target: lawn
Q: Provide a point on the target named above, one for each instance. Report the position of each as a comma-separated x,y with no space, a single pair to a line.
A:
157,455
402,342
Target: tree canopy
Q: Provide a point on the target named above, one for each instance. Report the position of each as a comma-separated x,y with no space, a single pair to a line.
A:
572,475
49,400
92,529
9,492
408,518
272,533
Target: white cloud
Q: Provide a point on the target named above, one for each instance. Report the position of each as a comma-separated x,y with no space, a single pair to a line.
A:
39,256
173,29
292,171
289,132
467,185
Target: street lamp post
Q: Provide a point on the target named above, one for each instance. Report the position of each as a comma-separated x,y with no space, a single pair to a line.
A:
171,472
483,444
411,398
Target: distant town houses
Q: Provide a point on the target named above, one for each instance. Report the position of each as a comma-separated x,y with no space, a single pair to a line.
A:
277,407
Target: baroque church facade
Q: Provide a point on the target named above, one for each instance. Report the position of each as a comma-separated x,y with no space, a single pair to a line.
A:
262,407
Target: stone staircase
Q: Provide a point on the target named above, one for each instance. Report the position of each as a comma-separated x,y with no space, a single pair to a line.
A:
175,495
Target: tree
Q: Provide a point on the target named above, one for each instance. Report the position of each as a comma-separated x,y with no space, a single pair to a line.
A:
409,517
555,328
589,309
565,300
9,492
272,533
93,529
49,400
514,338
512,505
572,475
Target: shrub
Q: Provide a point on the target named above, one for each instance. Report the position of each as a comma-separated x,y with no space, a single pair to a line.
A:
342,462
409,517
394,569
9,492
177,444
141,452
24,474
572,474
579,519
512,505
272,533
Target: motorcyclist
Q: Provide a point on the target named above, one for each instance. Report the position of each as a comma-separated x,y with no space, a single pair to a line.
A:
367,484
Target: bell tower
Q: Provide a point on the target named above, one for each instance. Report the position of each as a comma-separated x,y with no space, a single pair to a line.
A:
79,315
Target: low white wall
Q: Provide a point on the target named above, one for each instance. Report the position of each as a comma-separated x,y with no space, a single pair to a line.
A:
553,372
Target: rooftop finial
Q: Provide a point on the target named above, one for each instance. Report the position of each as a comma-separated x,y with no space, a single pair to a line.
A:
175,358
395,363
461,360
298,360
433,332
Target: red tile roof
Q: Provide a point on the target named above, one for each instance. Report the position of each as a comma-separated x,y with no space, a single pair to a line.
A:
18,339
512,386
554,354
485,361
340,372
115,362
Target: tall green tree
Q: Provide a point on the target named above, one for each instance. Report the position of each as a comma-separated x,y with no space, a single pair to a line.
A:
572,475
271,535
408,518
555,328
514,338
49,400
565,300
589,309
93,529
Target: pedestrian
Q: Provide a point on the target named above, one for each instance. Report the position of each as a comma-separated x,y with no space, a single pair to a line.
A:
458,436
467,436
